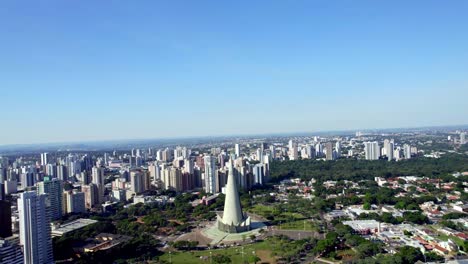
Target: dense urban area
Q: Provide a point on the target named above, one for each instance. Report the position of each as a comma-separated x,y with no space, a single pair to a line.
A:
362,197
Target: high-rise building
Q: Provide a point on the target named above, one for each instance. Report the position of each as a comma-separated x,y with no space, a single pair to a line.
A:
54,189
155,171
5,219
139,181
35,236
10,253
97,175
237,150
75,202
91,192
462,138
44,159
329,149
259,155
407,151
258,174
210,174
372,150
388,147
293,154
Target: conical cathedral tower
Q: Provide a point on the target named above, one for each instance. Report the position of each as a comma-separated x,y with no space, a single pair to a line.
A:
233,220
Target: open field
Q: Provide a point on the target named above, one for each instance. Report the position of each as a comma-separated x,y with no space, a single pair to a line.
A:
261,250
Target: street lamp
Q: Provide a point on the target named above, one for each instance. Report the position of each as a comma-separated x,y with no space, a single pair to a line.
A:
211,257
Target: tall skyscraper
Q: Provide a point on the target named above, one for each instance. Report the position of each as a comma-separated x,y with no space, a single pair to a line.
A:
407,151
388,146
329,149
44,159
54,189
210,174
293,155
372,150
91,192
97,174
237,150
35,228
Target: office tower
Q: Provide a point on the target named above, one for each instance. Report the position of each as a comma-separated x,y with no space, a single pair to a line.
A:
310,151
53,188
27,180
319,149
233,219
35,228
5,219
293,155
258,174
462,138
44,159
210,174
329,149
388,147
159,155
91,192
407,151
372,150
62,172
75,202
259,155
51,170
10,253
237,150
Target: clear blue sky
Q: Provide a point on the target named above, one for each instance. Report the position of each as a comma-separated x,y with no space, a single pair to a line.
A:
92,70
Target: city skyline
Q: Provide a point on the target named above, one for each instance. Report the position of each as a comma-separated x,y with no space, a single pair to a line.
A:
158,70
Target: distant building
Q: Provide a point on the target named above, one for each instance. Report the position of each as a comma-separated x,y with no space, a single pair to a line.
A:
329,149
210,174
407,151
75,202
372,150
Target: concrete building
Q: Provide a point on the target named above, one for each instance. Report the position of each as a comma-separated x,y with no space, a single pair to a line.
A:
35,236
54,189
372,150
210,174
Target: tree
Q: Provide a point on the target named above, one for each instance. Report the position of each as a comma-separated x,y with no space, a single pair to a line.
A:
366,206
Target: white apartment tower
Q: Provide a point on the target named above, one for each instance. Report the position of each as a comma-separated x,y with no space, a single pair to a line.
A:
210,174
35,228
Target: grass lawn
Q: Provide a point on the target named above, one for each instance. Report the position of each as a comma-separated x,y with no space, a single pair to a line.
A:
262,210
298,225
235,253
